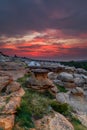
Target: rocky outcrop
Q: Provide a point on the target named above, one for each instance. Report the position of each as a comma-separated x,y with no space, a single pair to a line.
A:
55,121
13,69
77,91
39,81
65,77
10,99
7,122
77,101
4,81
12,87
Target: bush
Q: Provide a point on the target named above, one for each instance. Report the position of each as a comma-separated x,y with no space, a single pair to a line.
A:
61,88
61,108
77,124
23,116
1,128
33,104
38,104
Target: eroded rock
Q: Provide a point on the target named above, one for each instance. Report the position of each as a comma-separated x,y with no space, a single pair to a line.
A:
53,122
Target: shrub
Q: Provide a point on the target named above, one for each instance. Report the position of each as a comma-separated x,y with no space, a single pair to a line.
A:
23,116
61,88
59,107
1,128
37,104
77,124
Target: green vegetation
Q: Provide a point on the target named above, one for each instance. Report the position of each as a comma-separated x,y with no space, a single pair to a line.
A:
77,124
35,105
23,79
24,116
80,64
1,129
61,88
62,108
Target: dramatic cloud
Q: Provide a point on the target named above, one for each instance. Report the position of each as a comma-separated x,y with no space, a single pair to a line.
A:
44,28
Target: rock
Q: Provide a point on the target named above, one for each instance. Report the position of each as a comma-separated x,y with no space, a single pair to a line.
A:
65,77
69,85
53,90
83,118
77,91
12,87
53,122
34,63
78,103
4,81
79,82
40,81
75,75
85,78
52,75
7,122
81,71
12,105
85,87
58,82
62,97
18,93
70,69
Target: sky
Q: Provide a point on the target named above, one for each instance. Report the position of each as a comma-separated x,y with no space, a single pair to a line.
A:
44,29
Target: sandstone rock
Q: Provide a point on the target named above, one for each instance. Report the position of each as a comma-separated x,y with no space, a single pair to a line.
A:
81,71
40,81
12,87
69,85
83,118
77,91
52,75
65,77
7,122
75,75
53,122
18,93
85,78
70,69
78,103
12,105
79,82
4,81
62,97
53,90
58,82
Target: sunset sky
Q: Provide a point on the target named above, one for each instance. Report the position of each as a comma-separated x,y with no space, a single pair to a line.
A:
44,29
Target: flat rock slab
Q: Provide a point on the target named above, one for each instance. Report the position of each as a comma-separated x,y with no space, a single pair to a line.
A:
7,122
53,122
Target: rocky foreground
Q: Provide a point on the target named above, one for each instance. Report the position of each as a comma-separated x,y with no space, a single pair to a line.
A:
67,86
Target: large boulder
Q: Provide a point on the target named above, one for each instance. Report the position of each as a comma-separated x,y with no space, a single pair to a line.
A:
65,77
55,121
12,87
52,75
40,81
58,82
82,117
77,91
70,69
4,81
69,85
7,122
12,105
79,82
81,71
78,103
